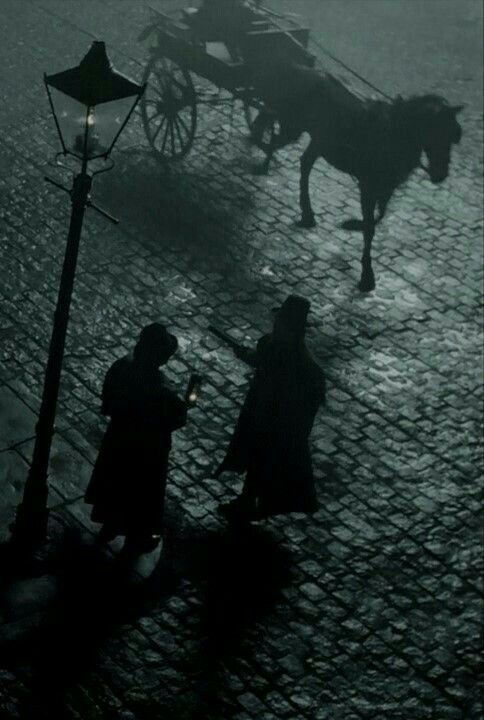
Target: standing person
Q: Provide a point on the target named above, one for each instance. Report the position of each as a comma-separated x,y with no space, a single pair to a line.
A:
270,441
127,487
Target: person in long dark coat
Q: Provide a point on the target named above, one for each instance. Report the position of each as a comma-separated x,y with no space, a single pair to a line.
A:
270,441
127,487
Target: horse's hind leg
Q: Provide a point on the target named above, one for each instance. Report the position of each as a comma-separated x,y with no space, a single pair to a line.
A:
287,135
368,204
260,125
264,123
308,159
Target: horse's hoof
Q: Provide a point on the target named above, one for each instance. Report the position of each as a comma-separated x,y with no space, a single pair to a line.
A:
306,222
253,139
352,225
366,285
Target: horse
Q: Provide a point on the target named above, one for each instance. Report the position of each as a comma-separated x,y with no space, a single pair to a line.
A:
379,143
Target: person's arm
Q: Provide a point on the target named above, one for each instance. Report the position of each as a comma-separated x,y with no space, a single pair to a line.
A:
107,395
244,353
247,355
176,411
320,389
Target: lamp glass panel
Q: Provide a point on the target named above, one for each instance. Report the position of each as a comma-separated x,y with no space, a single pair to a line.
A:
108,119
103,123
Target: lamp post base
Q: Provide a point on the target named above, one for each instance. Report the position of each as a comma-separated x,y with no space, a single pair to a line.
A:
29,529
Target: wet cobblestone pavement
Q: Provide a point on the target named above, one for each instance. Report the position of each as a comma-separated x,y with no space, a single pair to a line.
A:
370,610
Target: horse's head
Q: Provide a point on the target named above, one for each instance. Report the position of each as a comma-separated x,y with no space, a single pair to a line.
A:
441,132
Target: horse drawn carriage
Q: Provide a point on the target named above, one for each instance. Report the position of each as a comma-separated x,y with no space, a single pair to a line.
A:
262,59
223,49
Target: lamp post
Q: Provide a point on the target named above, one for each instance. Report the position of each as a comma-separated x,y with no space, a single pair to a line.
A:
91,104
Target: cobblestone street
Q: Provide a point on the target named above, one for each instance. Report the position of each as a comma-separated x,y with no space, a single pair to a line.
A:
372,608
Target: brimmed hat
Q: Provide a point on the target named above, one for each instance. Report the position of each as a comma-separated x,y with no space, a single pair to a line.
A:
156,337
293,313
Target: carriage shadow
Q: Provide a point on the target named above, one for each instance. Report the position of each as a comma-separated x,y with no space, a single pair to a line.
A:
207,210
179,210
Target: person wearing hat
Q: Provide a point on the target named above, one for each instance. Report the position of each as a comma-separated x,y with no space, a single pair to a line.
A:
270,441
127,487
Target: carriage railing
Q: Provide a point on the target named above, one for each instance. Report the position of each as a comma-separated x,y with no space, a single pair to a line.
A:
285,22
167,35
266,38
162,22
170,36
178,48
289,26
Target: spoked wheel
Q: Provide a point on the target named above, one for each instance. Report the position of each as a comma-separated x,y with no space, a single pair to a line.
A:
263,126
169,108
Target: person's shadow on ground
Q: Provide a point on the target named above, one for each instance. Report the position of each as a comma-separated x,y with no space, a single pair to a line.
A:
245,570
239,573
242,571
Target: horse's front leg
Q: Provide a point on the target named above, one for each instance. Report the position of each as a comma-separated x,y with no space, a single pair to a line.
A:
368,204
308,159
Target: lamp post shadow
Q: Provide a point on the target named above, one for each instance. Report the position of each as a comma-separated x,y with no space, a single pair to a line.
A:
94,595
237,574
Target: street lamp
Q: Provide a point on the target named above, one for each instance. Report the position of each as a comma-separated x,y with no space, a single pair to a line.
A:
91,104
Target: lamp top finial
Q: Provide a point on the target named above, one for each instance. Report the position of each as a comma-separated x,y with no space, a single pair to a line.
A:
96,59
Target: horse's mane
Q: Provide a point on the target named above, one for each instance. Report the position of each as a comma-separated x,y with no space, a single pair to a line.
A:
406,115
418,107
429,100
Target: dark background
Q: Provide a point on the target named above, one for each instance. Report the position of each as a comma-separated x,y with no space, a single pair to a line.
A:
370,610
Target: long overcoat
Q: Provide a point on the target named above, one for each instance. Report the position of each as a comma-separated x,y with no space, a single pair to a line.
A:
127,487
271,439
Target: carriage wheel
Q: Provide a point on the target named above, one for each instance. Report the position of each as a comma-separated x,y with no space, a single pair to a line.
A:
263,126
169,108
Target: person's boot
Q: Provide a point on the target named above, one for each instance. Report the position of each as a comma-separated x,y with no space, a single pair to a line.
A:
105,535
240,510
139,545
139,557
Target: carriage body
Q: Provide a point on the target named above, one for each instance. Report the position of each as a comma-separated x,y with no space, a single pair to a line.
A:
180,47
